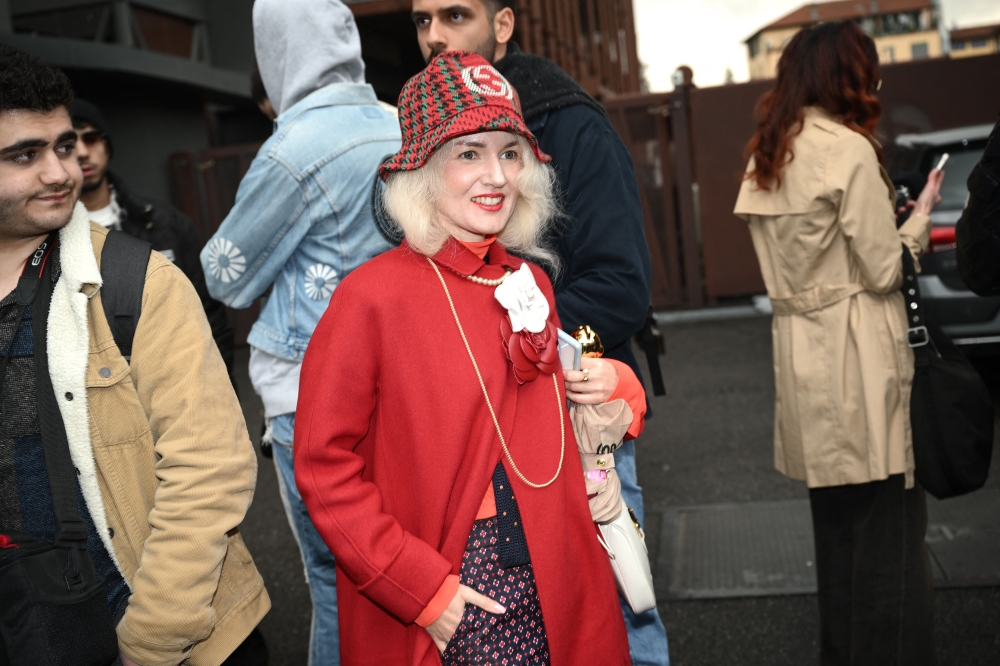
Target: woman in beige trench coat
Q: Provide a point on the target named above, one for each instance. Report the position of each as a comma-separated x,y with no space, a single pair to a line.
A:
820,210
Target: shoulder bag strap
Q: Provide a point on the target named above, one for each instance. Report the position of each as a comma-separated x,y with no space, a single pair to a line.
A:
917,335
70,528
123,268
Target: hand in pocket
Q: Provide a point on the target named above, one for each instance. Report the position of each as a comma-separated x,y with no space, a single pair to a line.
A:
442,629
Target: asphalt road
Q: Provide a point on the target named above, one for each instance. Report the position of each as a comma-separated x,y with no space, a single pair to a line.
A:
709,441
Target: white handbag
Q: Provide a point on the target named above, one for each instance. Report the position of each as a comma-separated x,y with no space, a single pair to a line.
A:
626,546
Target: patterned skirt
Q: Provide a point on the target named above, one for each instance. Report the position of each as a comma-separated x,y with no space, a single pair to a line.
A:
517,636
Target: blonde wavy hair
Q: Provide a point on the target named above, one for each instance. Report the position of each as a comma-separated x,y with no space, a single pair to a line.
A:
409,202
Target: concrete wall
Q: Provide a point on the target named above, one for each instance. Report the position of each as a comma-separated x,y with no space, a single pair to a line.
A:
230,34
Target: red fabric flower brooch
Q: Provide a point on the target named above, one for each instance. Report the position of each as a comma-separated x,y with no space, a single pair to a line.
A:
529,339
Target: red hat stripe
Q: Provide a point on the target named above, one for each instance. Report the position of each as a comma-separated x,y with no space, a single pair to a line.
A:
458,93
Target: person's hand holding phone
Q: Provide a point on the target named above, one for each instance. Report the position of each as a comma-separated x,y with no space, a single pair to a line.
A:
931,194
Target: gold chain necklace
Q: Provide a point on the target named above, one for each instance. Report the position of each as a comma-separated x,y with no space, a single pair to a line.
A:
488,283
496,422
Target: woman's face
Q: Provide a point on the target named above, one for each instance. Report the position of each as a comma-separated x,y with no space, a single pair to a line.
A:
480,190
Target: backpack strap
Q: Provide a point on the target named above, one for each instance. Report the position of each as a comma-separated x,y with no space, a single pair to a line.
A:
123,268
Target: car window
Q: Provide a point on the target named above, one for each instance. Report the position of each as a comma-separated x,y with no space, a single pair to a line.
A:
954,190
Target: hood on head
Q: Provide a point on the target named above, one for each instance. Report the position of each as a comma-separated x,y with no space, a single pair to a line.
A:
304,45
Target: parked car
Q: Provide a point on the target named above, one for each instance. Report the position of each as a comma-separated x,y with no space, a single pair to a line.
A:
970,320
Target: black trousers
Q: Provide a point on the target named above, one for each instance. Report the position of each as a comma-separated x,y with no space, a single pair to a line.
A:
874,574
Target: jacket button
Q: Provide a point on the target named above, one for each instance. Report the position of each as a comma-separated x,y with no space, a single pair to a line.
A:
69,396
111,532
104,372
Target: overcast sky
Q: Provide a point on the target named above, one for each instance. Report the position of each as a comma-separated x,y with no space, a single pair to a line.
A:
708,35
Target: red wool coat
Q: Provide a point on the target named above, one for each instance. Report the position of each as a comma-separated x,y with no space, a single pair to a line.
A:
395,448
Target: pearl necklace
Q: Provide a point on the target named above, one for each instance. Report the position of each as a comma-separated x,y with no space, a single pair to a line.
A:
488,283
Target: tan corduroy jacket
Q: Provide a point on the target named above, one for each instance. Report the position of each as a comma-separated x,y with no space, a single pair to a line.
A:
165,464
831,258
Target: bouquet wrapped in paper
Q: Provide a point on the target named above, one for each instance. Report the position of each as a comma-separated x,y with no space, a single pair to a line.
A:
599,431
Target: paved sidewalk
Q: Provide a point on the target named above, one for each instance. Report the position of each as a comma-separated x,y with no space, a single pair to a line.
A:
709,442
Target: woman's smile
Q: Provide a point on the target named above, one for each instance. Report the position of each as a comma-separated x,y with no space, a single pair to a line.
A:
492,202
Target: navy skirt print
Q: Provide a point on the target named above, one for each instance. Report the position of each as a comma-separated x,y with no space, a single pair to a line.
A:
517,636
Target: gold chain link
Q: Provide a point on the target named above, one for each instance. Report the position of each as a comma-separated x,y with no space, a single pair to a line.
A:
496,422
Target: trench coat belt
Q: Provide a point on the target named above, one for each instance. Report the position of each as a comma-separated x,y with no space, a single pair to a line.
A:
816,298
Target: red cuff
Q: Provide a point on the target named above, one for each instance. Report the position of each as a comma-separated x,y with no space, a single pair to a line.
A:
630,389
439,602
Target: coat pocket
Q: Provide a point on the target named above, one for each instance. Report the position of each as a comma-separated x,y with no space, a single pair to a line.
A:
115,410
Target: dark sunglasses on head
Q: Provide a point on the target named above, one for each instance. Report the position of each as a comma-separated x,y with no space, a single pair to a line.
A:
90,137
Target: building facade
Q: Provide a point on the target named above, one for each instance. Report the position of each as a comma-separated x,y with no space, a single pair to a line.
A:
975,41
903,30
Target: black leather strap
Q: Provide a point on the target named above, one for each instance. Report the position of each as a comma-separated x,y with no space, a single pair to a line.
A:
123,268
70,528
917,335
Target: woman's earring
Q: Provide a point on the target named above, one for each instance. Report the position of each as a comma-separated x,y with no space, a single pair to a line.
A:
878,86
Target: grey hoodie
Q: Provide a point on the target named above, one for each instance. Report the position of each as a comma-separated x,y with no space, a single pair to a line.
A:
304,45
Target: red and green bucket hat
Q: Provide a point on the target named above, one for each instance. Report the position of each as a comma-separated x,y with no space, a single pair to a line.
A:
458,93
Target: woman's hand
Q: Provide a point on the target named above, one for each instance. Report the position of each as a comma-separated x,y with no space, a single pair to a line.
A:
602,380
931,194
127,662
442,629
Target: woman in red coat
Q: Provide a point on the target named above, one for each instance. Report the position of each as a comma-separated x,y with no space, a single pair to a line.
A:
433,445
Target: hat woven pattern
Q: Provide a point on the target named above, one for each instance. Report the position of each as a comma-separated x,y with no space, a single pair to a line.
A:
458,93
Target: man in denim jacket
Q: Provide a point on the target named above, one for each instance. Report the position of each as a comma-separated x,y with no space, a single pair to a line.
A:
302,221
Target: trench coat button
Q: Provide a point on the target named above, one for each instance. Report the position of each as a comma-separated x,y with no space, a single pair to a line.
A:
601,462
104,372
111,532
69,396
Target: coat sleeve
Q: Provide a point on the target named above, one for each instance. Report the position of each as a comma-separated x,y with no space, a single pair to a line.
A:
978,231
205,466
270,218
606,267
864,211
338,390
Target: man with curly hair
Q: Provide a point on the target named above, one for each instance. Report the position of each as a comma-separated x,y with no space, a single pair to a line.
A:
125,478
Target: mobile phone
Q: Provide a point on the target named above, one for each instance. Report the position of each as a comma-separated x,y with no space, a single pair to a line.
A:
570,351
944,160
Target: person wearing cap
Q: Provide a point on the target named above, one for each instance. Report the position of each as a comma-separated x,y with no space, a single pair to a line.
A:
170,232
606,271
433,445
302,221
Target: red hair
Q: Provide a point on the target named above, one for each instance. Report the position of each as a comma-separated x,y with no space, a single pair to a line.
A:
833,66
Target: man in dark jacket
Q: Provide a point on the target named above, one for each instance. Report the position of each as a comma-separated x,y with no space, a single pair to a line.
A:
978,232
170,232
606,274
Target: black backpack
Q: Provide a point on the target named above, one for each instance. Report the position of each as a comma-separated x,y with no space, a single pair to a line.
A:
123,269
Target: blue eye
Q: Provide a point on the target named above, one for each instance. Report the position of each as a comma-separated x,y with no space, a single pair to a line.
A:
509,155
468,155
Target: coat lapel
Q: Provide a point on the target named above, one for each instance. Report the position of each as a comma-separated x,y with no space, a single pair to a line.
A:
68,337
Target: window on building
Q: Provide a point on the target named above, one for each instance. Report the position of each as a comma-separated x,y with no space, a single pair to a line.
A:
978,43
958,46
754,46
919,50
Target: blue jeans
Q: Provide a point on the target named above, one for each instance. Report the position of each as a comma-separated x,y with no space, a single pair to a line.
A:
647,638
321,576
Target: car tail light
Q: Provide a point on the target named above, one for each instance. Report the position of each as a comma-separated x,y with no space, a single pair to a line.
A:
942,238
